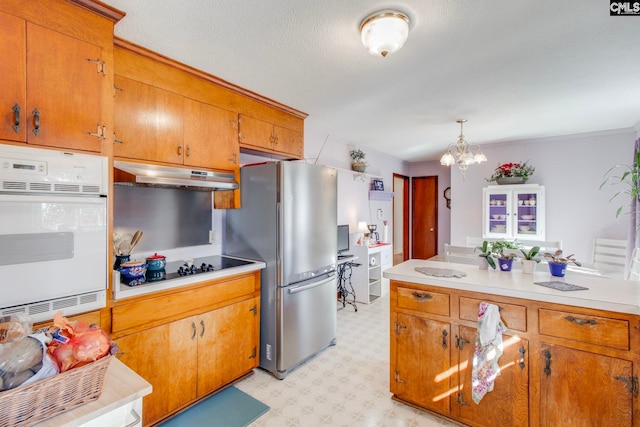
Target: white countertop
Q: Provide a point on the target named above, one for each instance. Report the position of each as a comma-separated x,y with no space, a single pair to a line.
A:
621,296
121,386
121,290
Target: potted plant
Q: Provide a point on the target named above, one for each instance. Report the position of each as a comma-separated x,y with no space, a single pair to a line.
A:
512,173
629,179
503,249
558,263
357,156
529,259
486,256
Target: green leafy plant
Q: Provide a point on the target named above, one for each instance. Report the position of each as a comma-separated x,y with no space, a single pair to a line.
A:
486,252
499,247
357,155
558,258
510,170
531,254
629,179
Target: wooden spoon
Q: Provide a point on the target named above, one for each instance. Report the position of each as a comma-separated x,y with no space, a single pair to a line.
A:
135,239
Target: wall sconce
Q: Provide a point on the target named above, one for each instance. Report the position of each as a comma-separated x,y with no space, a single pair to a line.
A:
384,32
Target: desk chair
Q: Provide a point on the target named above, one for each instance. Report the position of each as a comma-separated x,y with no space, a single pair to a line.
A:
633,272
460,254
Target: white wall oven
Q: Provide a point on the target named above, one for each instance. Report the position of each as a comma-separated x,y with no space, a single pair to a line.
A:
53,232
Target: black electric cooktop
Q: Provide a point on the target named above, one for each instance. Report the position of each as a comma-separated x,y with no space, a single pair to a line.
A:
178,269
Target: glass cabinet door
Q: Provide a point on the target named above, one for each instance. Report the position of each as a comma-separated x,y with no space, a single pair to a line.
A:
497,217
529,214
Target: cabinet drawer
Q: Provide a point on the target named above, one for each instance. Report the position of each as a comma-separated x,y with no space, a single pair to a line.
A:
155,309
581,327
513,316
427,301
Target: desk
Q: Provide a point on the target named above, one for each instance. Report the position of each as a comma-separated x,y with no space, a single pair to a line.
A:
345,289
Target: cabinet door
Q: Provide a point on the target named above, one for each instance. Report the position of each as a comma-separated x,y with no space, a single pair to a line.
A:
578,388
166,357
423,362
288,141
497,214
528,206
64,86
210,136
13,72
227,344
255,133
508,403
148,122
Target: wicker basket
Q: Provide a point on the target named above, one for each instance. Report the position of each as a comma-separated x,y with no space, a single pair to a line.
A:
32,403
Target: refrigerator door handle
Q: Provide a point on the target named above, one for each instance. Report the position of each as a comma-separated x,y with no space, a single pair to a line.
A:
296,289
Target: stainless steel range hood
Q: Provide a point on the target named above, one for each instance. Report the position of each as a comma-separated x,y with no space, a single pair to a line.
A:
141,174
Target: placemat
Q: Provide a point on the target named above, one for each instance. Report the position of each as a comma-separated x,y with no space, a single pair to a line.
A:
561,286
440,272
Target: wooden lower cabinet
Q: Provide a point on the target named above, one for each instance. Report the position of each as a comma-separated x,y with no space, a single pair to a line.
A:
422,371
509,399
561,365
579,388
189,358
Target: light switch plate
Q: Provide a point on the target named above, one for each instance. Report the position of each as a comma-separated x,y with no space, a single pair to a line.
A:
380,213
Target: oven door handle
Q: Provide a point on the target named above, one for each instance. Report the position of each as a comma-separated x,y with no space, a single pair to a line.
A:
296,289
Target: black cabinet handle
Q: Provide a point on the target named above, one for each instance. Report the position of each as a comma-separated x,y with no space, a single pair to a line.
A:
202,331
193,326
444,338
547,362
36,122
421,295
16,114
522,351
581,321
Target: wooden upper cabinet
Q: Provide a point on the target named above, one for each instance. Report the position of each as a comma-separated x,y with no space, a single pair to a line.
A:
13,73
52,87
210,136
264,136
148,122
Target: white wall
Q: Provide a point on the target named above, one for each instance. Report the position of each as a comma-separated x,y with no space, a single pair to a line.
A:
571,168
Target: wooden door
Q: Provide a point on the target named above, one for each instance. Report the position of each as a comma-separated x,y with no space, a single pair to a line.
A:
508,403
424,217
255,133
210,136
148,122
13,74
64,85
166,357
423,362
578,388
227,344
288,141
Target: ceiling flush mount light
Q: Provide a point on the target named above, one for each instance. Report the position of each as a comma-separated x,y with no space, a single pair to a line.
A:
384,32
461,154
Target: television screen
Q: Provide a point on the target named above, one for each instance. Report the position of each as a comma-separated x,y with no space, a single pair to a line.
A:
343,238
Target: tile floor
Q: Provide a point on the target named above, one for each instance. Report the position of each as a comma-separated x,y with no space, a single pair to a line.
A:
345,385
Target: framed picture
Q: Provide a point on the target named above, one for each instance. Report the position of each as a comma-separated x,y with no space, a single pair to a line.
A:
378,185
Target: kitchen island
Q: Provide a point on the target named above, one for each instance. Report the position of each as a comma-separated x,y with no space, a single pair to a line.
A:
570,358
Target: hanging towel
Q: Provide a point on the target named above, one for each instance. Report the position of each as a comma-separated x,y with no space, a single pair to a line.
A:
488,349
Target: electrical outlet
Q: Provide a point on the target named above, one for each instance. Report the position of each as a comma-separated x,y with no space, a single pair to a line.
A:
380,213
212,236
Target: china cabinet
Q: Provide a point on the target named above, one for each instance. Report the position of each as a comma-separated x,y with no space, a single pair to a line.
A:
513,212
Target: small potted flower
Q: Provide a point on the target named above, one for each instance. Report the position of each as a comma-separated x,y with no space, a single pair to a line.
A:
504,250
558,263
357,156
529,259
512,173
486,256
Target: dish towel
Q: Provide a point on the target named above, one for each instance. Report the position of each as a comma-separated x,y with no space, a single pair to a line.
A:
488,349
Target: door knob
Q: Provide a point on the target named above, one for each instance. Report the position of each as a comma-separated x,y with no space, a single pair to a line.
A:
431,229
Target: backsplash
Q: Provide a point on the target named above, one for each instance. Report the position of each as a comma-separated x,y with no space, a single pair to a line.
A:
169,218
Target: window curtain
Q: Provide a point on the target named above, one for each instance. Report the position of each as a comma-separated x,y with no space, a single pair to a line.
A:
634,223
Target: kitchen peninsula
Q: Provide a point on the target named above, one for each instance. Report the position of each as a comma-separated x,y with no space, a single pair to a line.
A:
570,357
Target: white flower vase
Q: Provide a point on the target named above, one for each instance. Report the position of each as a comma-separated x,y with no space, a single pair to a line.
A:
482,263
528,266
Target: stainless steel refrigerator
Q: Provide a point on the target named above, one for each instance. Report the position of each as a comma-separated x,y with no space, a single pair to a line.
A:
288,219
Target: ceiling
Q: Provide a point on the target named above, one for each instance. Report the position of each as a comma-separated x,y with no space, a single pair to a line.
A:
515,69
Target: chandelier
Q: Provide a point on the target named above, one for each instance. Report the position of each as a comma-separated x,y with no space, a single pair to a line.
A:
384,32
461,154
